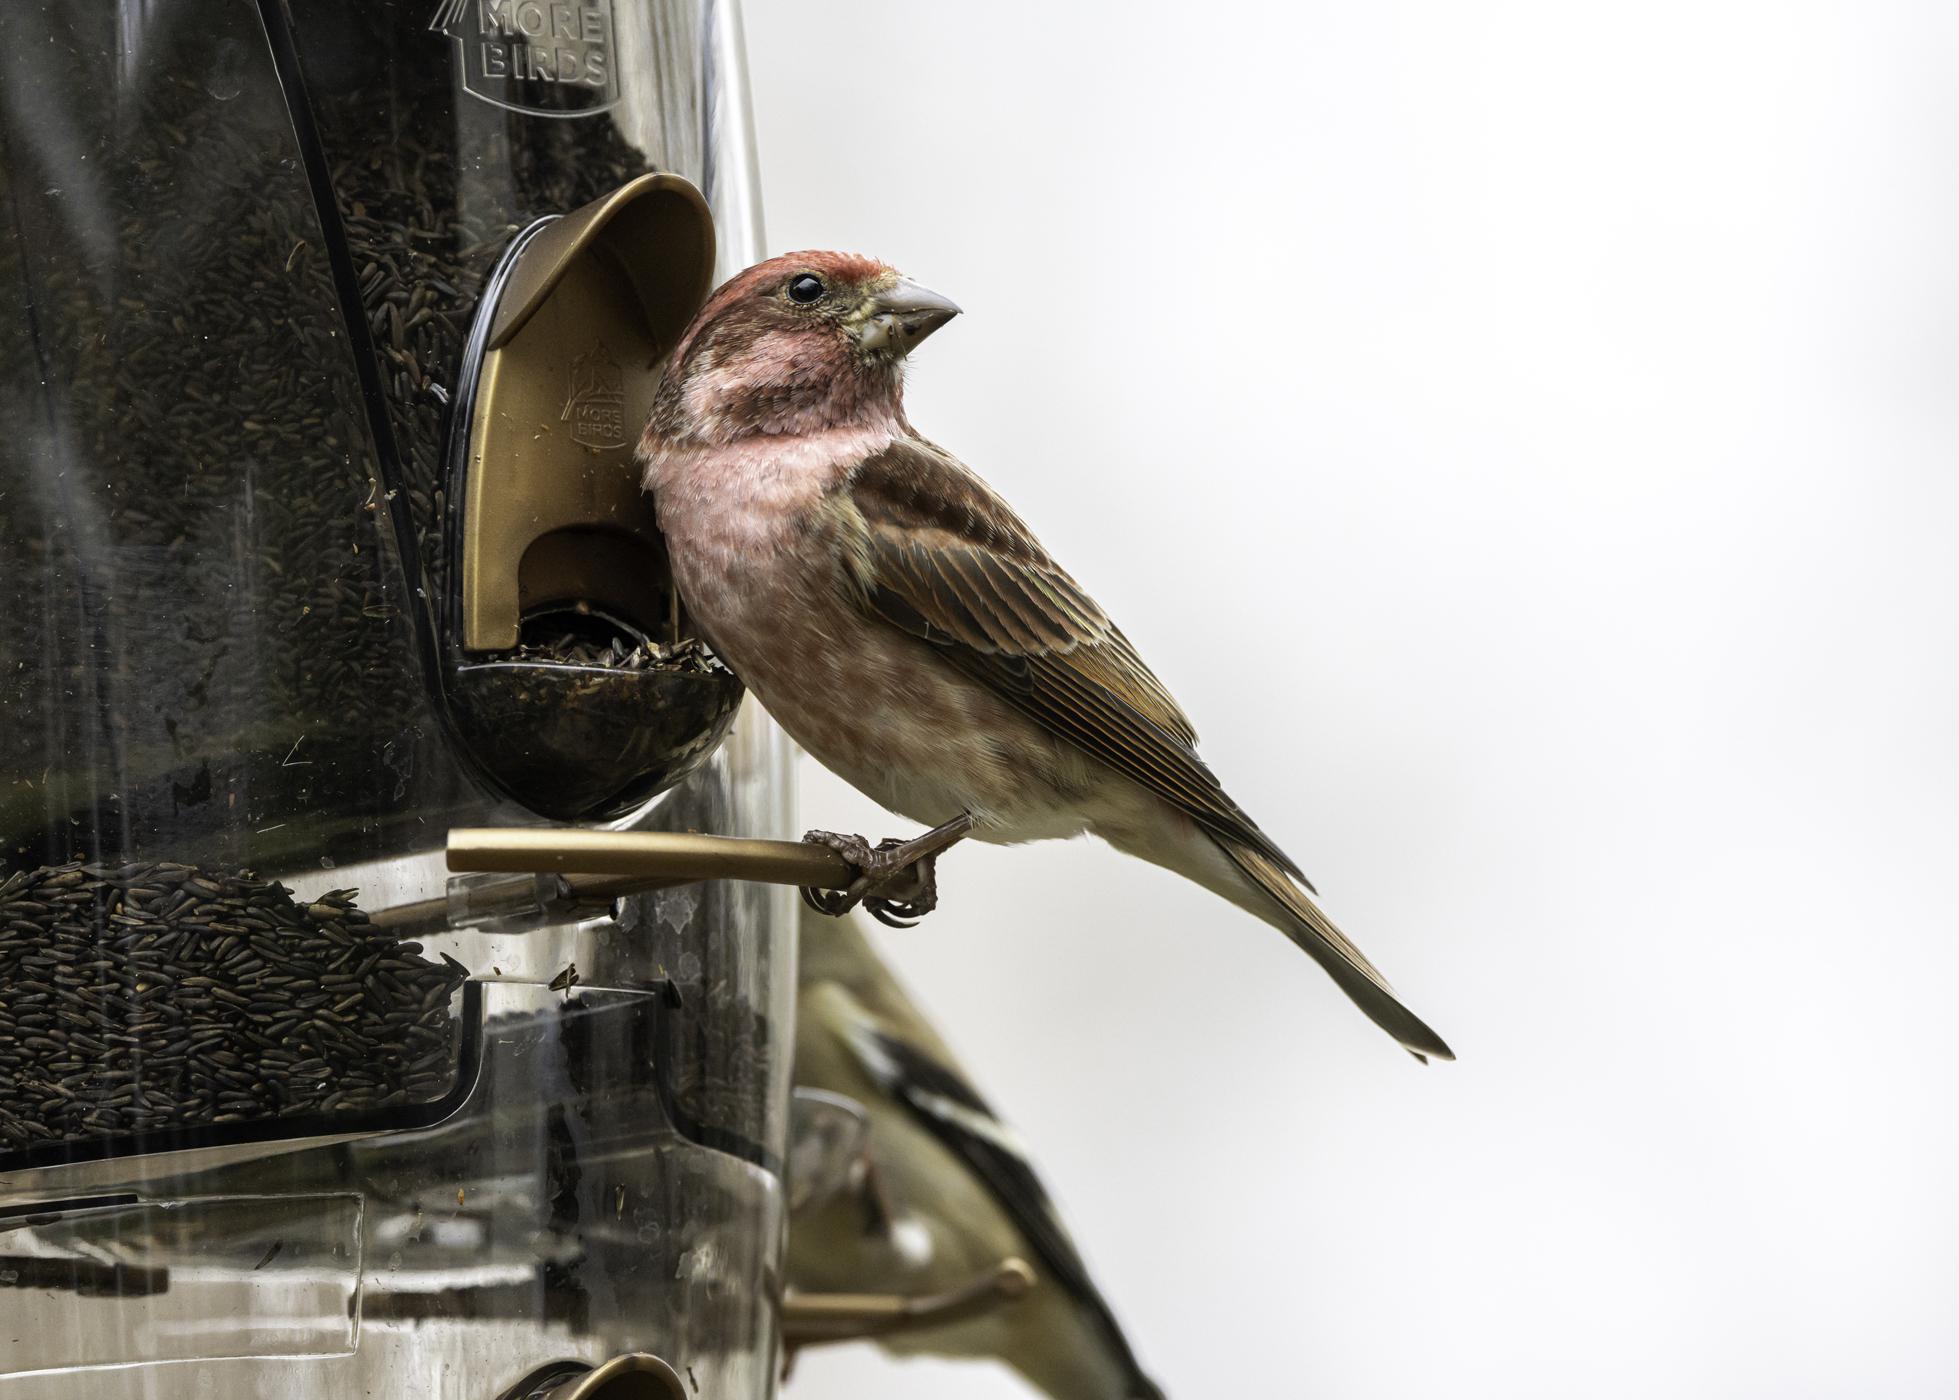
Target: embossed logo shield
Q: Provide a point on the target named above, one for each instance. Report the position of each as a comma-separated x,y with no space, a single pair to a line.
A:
551,58
596,404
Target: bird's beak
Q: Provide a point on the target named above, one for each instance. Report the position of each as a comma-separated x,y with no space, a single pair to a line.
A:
902,315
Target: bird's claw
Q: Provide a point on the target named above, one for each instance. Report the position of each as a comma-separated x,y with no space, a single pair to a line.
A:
858,855
886,913
896,881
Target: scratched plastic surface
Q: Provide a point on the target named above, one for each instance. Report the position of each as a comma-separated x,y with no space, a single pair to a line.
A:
243,245
558,1214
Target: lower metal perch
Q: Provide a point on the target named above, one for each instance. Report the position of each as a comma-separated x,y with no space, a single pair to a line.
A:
809,1319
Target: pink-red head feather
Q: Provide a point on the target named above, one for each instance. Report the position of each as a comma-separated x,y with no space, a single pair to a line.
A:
800,343
779,349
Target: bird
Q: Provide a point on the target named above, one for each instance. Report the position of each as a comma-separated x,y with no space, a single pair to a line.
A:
944,1190
904,625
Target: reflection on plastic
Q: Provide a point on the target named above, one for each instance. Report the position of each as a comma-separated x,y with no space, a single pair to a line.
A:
184,1280
828,1138
561,1209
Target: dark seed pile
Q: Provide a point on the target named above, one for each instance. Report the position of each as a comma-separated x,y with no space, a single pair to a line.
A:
425,228
208,550
570,650
592,742
204,553
157,997
421,269
208,645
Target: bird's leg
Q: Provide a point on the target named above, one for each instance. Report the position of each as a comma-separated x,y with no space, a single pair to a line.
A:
897,881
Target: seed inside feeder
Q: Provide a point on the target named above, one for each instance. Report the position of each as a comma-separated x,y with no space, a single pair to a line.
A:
158,997
221,453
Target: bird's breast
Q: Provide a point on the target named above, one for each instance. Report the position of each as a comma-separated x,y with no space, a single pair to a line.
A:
735,517
758,552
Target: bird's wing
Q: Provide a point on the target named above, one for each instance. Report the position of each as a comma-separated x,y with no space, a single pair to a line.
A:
945,559
941,1101
938,555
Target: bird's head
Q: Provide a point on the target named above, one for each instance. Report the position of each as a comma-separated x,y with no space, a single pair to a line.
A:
797,344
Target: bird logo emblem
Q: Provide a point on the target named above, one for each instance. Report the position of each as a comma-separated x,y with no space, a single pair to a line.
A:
595,405
550,58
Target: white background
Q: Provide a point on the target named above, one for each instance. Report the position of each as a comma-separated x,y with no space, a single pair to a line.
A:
1525,438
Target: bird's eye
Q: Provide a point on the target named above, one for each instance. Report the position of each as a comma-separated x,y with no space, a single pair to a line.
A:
806,289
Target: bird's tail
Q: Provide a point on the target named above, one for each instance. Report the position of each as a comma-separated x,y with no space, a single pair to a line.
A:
1285,906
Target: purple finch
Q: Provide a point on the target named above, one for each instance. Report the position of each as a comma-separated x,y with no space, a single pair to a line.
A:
904,626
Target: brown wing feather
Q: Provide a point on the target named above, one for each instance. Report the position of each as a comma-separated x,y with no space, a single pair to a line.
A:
946,560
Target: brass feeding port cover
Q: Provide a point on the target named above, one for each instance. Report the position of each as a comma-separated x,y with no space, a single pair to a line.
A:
571,673
636,1375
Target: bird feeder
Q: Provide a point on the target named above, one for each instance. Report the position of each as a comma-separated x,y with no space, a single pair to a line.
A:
573,677
331,327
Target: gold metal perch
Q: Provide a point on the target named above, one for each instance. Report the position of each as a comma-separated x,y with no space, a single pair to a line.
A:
812,1318
660,857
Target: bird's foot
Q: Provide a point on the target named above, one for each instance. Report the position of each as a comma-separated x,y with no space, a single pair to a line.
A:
896,881
858,854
